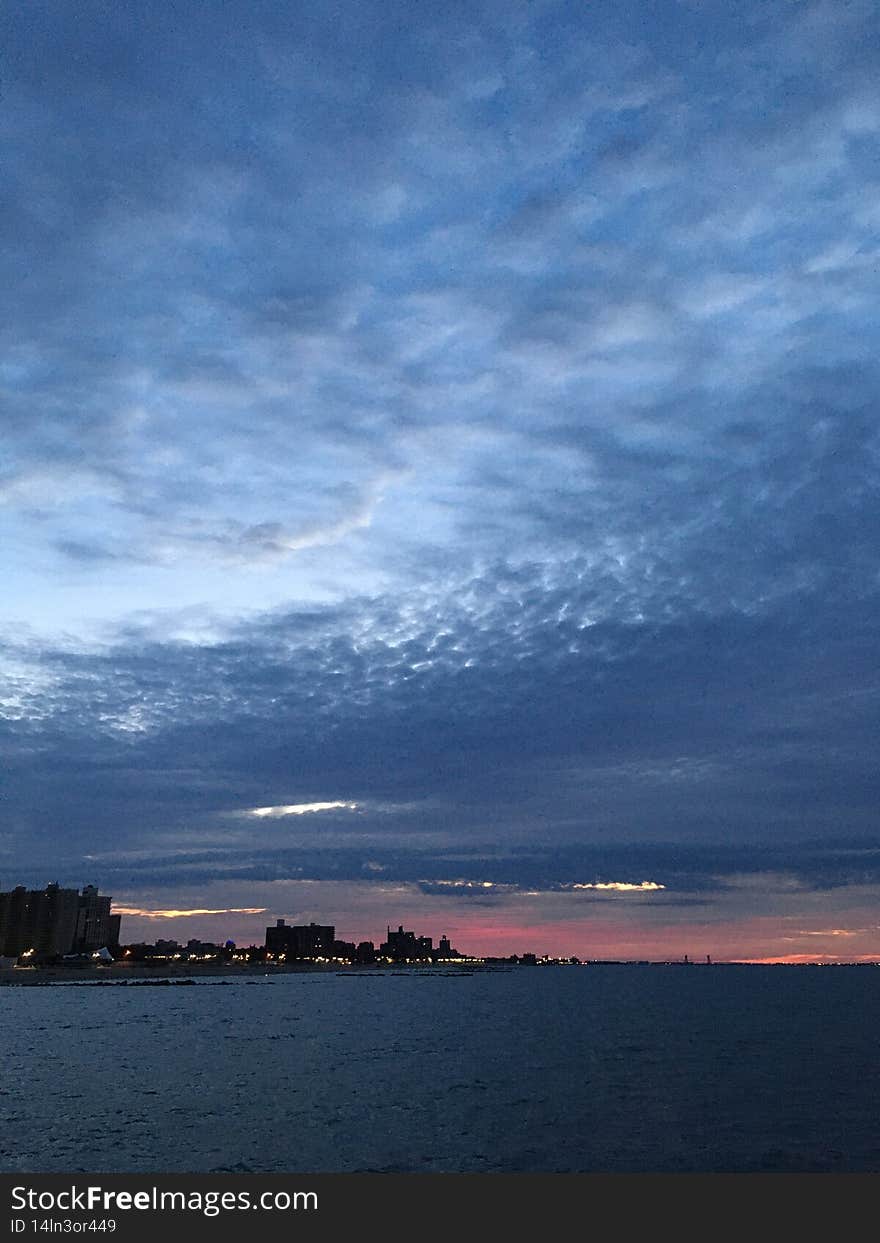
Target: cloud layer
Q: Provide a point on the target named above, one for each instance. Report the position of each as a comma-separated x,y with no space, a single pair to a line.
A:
465,426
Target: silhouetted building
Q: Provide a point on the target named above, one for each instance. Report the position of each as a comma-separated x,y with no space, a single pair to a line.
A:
139,951
365,953
43,921
403,946
55,921
301,940
202,949
344,949
93,921
278,939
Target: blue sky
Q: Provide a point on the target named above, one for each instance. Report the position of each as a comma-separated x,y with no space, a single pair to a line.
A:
464,413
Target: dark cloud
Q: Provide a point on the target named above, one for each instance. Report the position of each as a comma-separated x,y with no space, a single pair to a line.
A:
471,416
499,719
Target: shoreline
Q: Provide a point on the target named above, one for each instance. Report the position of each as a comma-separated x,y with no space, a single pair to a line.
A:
122,974
179,973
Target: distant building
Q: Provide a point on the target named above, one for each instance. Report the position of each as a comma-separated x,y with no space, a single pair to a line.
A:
93,921
140,951
46,922
202,949
404,946
278,939
399,945
365,953
301,940
55,921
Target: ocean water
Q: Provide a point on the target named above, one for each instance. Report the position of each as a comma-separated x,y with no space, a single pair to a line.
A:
548,1069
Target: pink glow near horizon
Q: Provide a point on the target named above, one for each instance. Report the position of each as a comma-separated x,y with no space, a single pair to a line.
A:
760,939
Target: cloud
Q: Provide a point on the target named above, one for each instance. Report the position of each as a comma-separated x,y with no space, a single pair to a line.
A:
324,367
176,914
297,809
474,415
471,890
621,886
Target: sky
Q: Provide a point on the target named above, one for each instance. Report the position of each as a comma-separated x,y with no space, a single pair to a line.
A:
440,468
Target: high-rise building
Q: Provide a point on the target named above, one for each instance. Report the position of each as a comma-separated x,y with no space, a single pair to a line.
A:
55,921
301,940
93,921
40,920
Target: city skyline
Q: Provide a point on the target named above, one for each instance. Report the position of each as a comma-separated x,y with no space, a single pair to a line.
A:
440,457
89,901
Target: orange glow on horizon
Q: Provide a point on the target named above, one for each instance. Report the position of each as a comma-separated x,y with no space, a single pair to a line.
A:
175,914
558,924
806,959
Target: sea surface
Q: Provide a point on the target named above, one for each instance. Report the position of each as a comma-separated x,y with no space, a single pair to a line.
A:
543,1069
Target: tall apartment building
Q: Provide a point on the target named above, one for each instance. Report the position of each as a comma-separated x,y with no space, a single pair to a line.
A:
54,921
92,921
